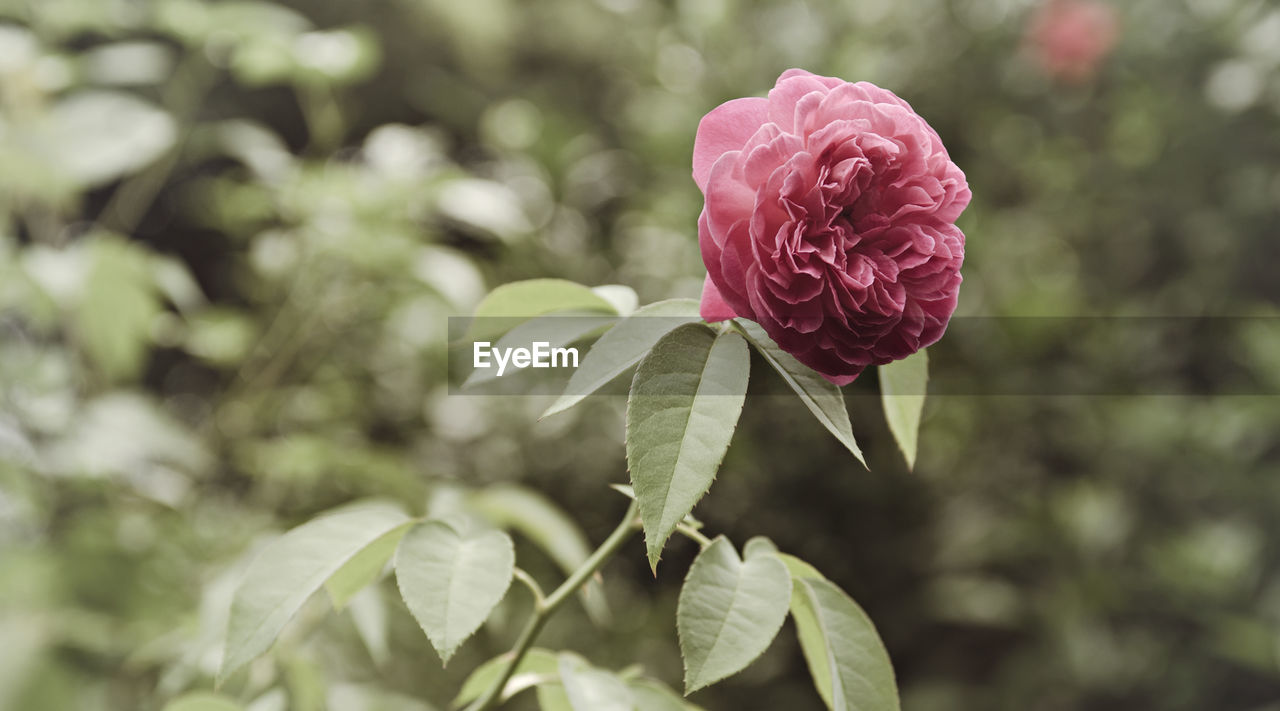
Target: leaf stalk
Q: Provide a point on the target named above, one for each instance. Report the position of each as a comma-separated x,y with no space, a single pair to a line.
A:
544,608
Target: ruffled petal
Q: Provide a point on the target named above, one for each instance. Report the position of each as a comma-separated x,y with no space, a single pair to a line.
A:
713,307
727,128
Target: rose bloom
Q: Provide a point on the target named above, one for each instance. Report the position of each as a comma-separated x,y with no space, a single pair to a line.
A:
1070,38
830,221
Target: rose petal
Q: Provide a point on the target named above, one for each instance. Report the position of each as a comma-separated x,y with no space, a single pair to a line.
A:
729,260
842,380
726,128
791,87
713,307
729,199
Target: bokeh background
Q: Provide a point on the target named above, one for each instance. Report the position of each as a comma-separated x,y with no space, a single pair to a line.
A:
231,234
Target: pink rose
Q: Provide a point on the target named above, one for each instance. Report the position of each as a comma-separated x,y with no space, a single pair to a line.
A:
1070,38
830,221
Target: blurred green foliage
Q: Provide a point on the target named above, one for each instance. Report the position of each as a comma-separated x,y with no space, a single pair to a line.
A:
232,233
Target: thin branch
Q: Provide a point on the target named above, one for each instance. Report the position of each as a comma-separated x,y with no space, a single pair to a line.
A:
542,612
693,534
539,599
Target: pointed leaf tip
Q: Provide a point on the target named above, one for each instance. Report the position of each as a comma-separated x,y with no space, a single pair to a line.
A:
848,662
291,568
822,397
685,401
729,610
451,581
903,385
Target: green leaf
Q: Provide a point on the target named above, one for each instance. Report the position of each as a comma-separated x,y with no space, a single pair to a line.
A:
651,695
729,610
368,612
622,297
370,697
622,347
247,18
293,567
849,664
451,581
798,568
821,396
541,521
552,697
220,336
203,701
807,628
684,404
117,308
654,697
759,545
273,699
95,137
364,568
903,384
512,303
536,666
593,689
486,206
306,683
357,57
172,277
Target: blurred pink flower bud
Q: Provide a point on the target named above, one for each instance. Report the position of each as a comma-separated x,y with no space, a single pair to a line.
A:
1070,38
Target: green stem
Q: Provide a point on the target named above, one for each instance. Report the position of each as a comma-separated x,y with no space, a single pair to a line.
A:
544,609
538,597
693,534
